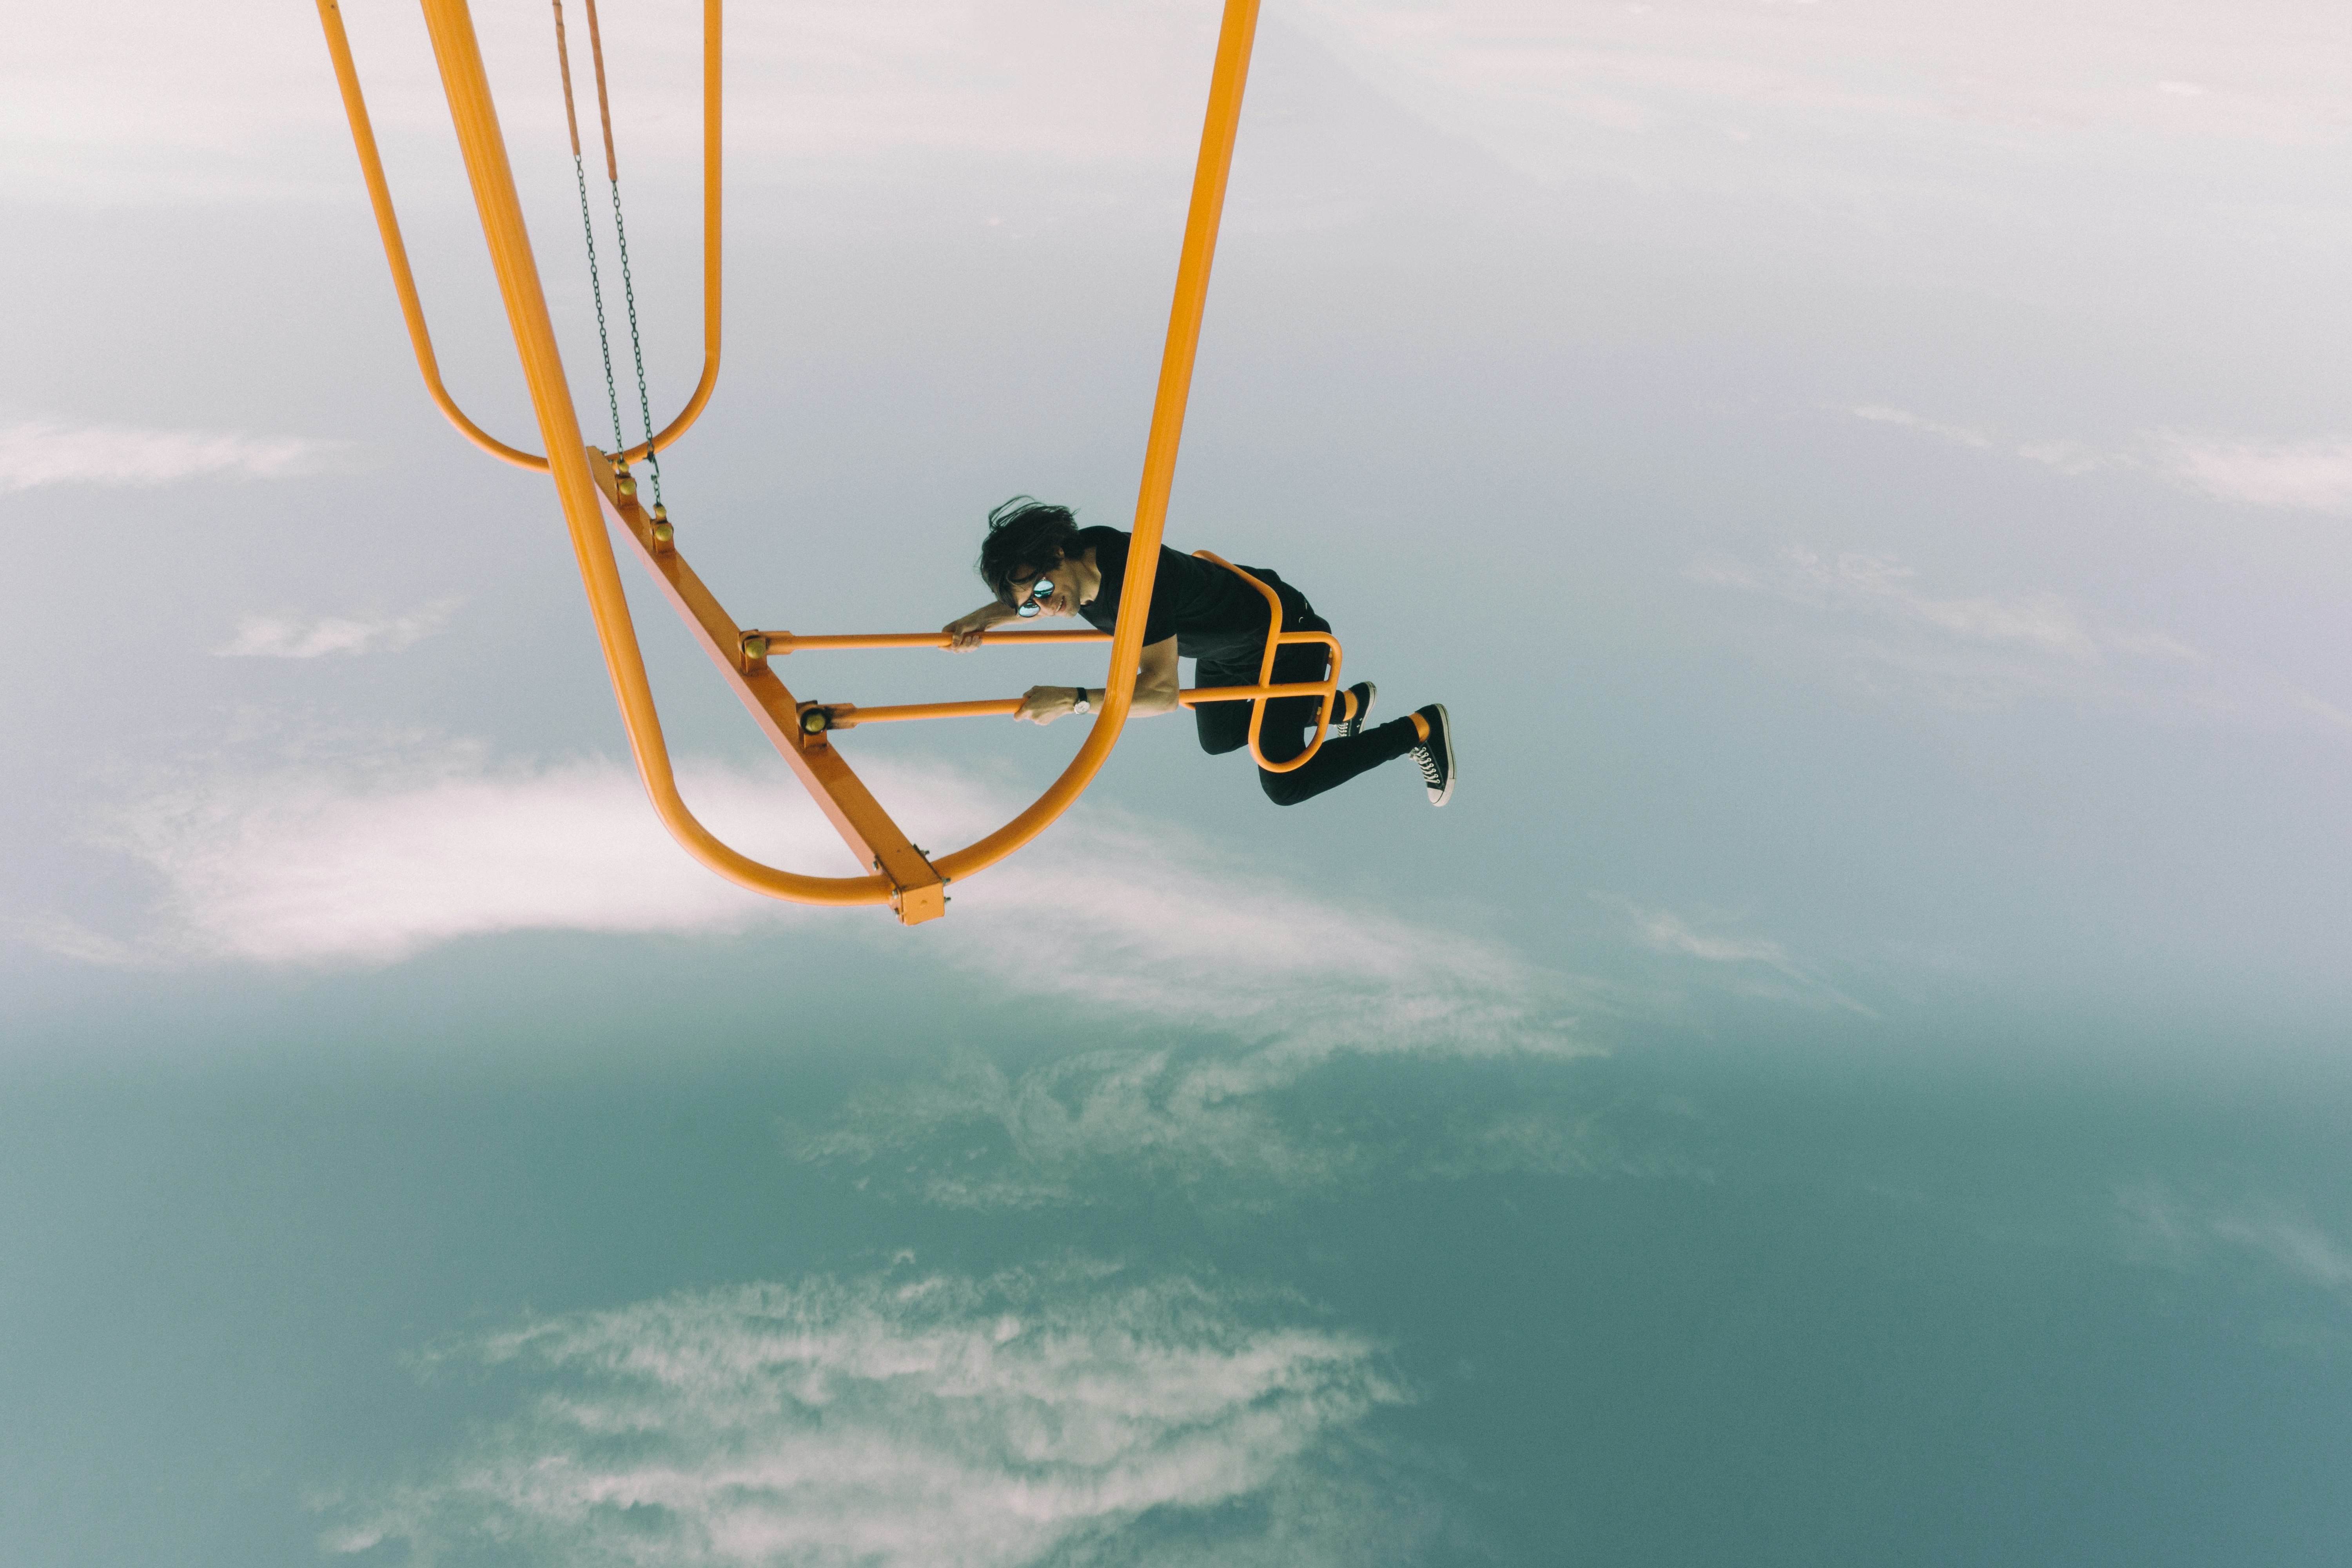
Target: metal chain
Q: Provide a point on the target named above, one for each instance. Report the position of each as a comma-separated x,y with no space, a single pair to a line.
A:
587,222
603,339
636,348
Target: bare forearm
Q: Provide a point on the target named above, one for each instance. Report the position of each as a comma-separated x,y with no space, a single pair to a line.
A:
1152,698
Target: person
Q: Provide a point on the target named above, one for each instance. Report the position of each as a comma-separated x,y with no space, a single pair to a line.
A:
1039,561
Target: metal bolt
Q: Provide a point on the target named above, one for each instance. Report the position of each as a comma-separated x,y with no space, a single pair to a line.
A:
815,721
755,646
663,533
626,486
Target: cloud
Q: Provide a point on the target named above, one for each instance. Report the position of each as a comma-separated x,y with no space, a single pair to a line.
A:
1805,102
1984,651
2163,1228
376,854
1661,930
1117,1125
369,853
42,452
274,636
910,1420
1957,434
1884,588
2067,457
235,104
2303,476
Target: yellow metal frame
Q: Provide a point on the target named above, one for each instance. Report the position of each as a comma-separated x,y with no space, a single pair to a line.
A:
404,281
598,497
848,715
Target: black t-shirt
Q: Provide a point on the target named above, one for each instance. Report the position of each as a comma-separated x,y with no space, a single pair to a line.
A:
1212,613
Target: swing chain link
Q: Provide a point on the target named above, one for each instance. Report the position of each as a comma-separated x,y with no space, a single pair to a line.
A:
595,279
636,347
596,288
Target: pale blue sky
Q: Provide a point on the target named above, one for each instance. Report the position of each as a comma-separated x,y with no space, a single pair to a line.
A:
1856,1076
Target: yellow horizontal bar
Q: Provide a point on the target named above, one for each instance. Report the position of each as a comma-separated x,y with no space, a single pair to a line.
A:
793,642
848,716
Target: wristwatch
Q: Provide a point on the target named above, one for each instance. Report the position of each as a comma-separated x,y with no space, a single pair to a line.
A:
1082,705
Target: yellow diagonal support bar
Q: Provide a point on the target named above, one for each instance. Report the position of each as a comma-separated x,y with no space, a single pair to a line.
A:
404,280
904,878
459,55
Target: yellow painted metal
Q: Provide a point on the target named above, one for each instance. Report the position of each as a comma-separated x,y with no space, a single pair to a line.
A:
788,642
1276,639
848,715
404,281
915,886
863,825
1219,127
458,54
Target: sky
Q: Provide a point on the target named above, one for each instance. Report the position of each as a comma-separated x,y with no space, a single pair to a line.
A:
1856,1075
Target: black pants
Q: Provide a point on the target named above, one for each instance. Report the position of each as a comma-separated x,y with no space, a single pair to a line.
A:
1290,720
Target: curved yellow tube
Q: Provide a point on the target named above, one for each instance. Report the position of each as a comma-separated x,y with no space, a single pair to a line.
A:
465,85
467,88
404,280
1220,127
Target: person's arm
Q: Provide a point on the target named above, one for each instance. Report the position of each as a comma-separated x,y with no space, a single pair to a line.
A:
1155,689
965,629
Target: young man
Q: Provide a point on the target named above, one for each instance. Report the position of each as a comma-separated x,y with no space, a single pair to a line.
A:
1040,562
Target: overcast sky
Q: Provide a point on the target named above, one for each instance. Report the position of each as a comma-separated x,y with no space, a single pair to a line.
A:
1855,1073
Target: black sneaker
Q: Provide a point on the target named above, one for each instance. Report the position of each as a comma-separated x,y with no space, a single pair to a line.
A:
1434,756
1363,691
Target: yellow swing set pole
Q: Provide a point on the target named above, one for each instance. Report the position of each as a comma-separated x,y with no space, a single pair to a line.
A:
466,85
904,878
404,280
1219,129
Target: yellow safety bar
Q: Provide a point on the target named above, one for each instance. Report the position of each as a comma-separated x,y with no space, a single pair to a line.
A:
598,495
848,715
404,281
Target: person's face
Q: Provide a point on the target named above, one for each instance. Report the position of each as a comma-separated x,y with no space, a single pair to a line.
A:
1055,590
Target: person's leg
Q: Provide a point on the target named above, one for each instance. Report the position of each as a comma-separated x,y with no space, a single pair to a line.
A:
1222,726
1289,725
1339,759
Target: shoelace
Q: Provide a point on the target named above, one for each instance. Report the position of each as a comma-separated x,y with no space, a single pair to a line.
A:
1430,772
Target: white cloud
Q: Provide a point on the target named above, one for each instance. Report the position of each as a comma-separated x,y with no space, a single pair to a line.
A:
1223,1126
2162,1227
1813,101
1882,587
373,854
1983,651
276,636
370,858
1661,930
1957,433
42,452
2067,457
2305,476
912,1420
238,101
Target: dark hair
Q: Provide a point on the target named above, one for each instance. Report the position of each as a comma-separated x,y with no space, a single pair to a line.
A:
1025,537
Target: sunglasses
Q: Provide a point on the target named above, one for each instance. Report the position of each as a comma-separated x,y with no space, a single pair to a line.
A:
1039,591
